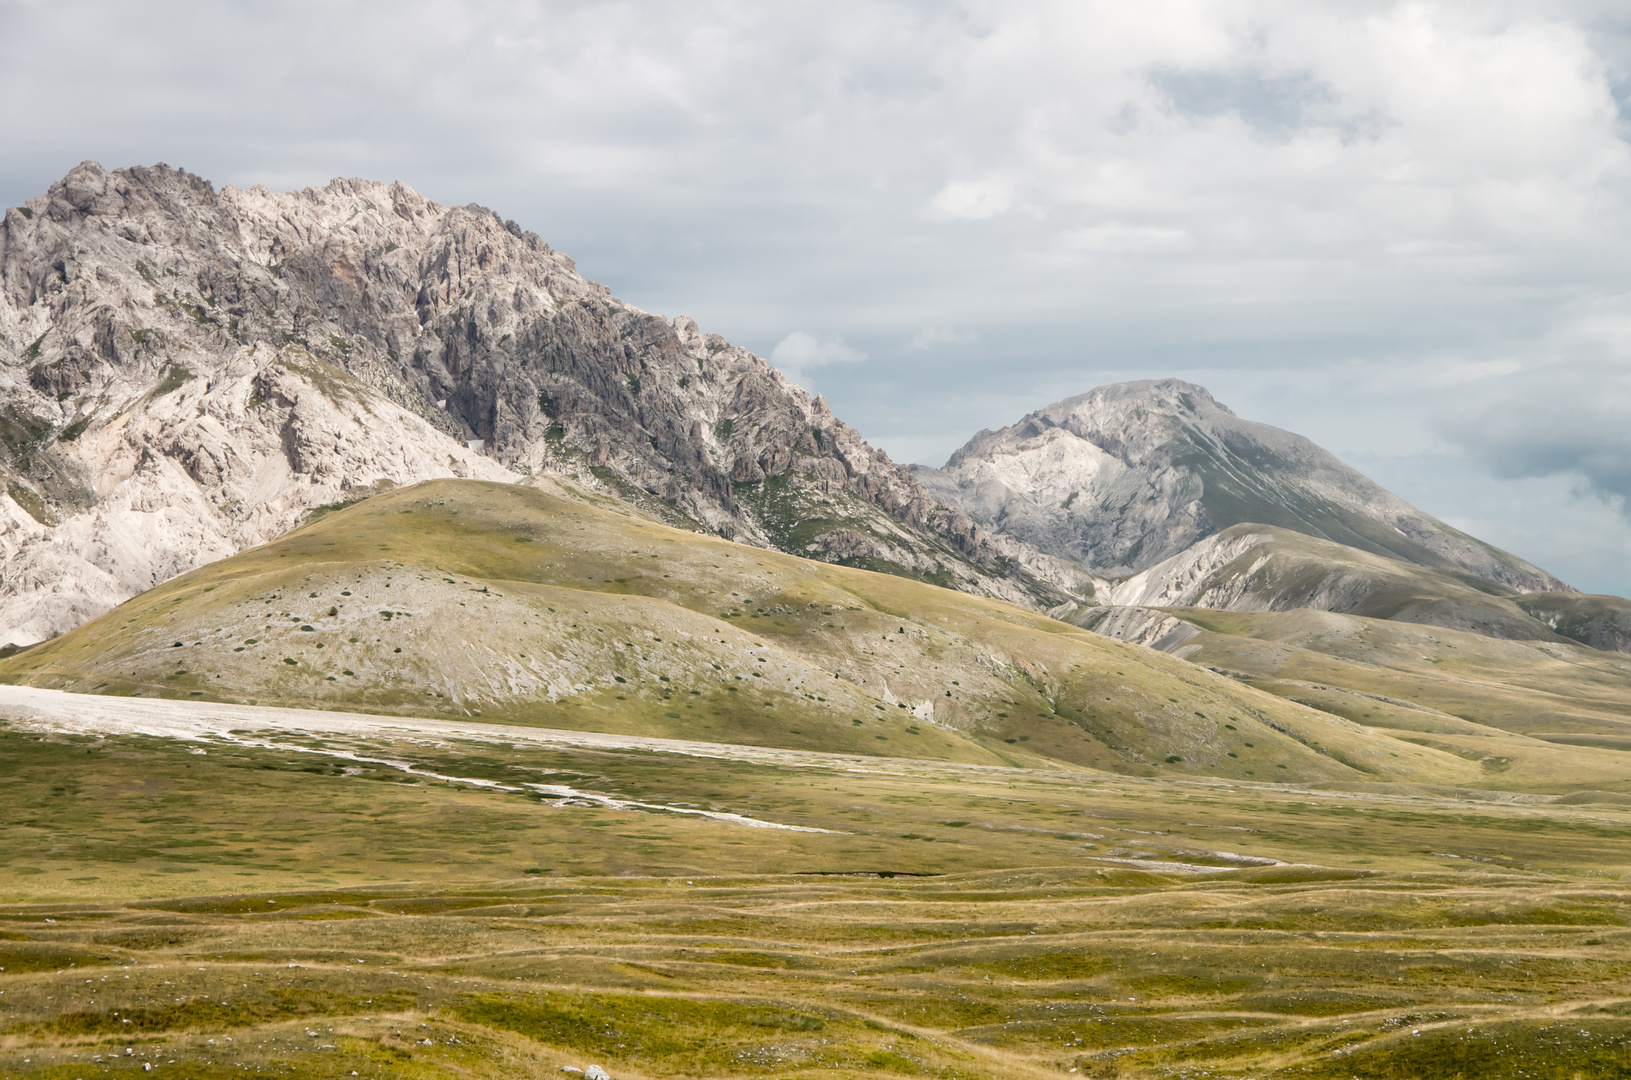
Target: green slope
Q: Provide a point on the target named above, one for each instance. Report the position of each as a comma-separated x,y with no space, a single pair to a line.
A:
458,599
1532,715
1244,481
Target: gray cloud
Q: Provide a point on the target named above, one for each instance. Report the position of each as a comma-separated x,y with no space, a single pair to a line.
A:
1272,104
1563,421
998,204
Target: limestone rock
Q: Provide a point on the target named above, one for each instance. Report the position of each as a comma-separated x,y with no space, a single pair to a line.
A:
236,453
1138,625
1261,568
1130,475
185,372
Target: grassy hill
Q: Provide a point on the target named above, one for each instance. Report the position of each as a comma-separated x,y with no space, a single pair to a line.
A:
1603,622
518,605
303,902
1519,709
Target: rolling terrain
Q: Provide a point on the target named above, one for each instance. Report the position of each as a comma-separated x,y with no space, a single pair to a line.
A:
598,792
1255,567
1518,709
468,599
435,667
404,902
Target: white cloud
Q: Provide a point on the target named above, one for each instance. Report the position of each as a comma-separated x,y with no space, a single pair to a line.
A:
932,336
971,200
798,353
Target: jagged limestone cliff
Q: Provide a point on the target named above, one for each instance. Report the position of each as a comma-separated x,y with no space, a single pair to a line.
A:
185,372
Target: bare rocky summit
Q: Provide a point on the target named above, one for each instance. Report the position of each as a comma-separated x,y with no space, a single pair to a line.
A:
1168,500
185,372
1127,476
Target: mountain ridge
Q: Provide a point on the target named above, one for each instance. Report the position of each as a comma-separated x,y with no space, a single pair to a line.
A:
128,297
1181,467
186,373
1169,499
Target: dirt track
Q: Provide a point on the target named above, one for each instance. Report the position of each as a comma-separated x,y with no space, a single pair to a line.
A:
55,710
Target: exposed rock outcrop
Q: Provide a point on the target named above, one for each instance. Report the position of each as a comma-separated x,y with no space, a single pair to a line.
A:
1138,625
213,459
1258,568
1603,622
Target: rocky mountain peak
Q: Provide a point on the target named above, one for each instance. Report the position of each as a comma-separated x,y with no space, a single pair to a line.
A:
1174,399
219,362
1131,420
1129,475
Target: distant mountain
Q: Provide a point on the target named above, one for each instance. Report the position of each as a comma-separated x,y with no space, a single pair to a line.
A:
1171,500
186,372
1603,622
1125,476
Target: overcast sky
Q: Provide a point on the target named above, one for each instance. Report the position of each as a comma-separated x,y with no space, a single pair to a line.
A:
1403,230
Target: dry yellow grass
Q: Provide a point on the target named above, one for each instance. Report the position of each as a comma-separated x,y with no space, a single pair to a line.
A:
281,909
465,599
1072,864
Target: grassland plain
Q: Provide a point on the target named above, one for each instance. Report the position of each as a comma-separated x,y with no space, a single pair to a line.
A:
314,905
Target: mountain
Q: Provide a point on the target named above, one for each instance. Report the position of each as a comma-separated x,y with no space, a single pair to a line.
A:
186,372
1125,476
462,599
1603,622
1171,500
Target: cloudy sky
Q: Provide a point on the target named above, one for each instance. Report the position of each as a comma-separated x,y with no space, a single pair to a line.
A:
1402,229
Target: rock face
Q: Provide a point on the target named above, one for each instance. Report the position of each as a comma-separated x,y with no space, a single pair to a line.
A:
1260,568
1603,622
1127,476
185,372
215,458
1139,625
